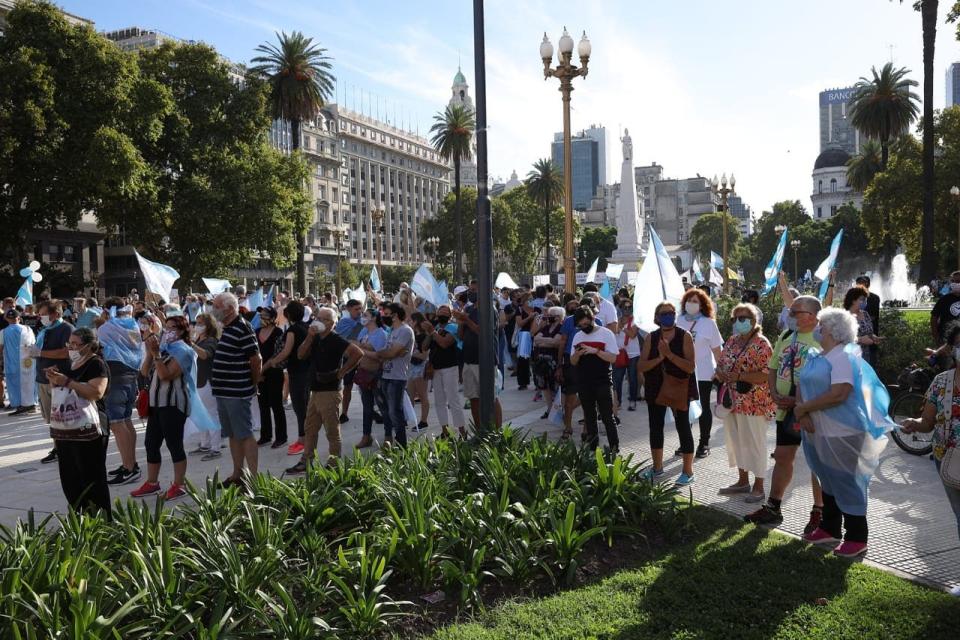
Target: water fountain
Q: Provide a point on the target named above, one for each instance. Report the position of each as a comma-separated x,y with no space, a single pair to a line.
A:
897,290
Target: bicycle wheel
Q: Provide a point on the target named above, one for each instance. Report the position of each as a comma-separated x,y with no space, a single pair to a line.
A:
910,405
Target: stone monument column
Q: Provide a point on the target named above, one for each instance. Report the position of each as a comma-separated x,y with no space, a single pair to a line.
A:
629,212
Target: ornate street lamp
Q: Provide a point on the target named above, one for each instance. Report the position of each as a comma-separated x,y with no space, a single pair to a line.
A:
721,188
377,217
796,247
566,72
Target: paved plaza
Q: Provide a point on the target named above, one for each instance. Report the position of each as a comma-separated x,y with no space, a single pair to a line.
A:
912,529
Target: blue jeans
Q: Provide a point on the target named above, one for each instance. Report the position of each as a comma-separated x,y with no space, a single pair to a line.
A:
630,372
371,399
120,401
394,422
953,495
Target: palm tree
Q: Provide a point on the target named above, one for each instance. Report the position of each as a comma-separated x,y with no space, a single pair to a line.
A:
452,137
545,187
884,107
298,72
864,166
928,18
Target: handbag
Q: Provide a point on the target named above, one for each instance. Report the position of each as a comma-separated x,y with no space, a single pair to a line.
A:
365,379
950,463
143,404
724,402
70,412
674,393
622,358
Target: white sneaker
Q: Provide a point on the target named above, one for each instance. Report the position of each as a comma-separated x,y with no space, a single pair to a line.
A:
955,591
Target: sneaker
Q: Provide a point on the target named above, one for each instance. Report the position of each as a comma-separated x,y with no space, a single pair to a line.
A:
703,451
632,406
115,471
816,515
297,469
199,451
765,515
819,536
50,457
24,410
344,418
295,449
125,476
652,474
734,489
684,480
146,489
850,549
175,491
420,426
212,455
278,444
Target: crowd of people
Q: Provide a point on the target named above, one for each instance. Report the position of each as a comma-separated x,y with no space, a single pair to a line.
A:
214,360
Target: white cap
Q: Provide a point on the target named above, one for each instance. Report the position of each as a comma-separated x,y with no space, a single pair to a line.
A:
459,289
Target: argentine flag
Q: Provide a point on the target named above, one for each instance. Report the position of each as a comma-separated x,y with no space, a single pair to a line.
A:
772,272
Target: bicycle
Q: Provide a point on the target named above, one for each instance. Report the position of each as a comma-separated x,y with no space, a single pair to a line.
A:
909,397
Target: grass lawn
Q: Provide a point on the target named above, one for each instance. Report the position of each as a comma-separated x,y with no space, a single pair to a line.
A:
733,581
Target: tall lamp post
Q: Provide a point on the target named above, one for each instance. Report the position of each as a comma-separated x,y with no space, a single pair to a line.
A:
955,192
377,217
433,244
796,248
724,191
566,72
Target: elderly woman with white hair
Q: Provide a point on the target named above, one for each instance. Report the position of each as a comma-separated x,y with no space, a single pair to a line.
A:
843,434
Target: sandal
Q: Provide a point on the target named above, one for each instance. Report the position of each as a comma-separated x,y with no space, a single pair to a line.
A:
566,435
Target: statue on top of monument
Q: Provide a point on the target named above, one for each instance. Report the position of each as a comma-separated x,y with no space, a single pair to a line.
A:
627,146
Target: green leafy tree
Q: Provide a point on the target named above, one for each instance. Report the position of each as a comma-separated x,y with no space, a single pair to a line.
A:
532,224
452,133
596,242
75,114
545,186
394,275
762,243
222,196
862,167
707,236
300,79
348,276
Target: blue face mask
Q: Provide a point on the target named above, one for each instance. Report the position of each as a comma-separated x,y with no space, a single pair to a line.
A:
667,319
742,327
863,304
817,334
791,323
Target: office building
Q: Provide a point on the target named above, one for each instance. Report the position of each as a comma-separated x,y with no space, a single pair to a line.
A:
742,214
836,128
672,205
953,85
586,162
830,188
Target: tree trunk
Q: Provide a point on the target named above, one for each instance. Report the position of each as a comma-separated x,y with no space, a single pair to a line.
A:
928,260
458,267
888,246
299,237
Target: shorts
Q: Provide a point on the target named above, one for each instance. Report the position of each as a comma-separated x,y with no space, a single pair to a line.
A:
570,386
787,436
236,417
471,381
416,371
120,400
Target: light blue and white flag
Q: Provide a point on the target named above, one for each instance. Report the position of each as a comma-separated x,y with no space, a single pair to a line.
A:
25,293
716,261
823,271
216,285
657,281
695,268
255,299
426,286
614,271
375,280
605,291
504,281
268,298
592,271
159,278
772,272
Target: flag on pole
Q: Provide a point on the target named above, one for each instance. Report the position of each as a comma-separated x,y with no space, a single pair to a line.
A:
716,261
605,291
823,271
504,280
357,294
697,274
592,271
25,294
255,299
216,285
772,272
715,277
657,281
614,271
375,279
426,286
159,278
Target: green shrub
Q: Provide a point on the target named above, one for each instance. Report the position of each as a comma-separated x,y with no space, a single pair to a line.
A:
326,554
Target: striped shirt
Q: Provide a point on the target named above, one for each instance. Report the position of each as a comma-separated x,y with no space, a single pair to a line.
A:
231,376
169,393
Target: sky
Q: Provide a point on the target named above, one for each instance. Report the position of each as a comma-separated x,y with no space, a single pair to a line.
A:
704,87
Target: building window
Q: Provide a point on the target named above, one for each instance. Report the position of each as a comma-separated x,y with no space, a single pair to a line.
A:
819,186
833,210
819,212
833,185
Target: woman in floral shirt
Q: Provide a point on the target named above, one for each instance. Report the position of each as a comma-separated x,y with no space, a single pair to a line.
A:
742,367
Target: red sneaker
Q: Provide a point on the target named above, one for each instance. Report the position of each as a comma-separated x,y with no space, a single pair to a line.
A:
816,515
175,491
146,489
850,549
295,449
819,536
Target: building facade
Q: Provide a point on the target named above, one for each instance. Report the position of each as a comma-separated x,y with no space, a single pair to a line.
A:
585,158
672,205
602,211
830,188
836,128
742,214
953,85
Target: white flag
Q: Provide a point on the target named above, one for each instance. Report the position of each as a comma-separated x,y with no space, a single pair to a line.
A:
159,278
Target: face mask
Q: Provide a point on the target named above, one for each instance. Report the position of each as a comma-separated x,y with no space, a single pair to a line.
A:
443,319
75,356
955,287
742,327
366,319
168,337
791,323
863,304
45,321
667,319
587,329
692,308
818,334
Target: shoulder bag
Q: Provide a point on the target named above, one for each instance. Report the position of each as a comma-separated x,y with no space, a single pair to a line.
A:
674,391
622,359
950,463
724,395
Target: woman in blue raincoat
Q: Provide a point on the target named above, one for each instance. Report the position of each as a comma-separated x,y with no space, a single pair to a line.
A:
842,409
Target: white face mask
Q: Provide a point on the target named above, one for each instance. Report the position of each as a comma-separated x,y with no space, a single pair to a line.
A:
692,308
75,356
45,321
